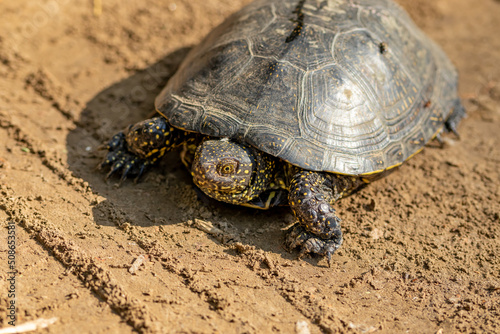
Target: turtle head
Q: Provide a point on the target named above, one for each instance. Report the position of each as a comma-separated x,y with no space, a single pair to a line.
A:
230,172
222,165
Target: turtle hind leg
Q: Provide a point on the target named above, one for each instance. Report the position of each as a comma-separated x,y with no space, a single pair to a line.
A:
132,151
456,115
311,197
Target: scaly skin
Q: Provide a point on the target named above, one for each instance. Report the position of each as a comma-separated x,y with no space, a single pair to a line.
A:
454,118
233,173
311,198
132,151
238,174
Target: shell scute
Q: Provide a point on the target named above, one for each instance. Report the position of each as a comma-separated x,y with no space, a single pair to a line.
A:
356,90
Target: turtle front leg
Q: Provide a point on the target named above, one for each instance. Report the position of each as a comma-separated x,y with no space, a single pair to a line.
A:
140,146
311,197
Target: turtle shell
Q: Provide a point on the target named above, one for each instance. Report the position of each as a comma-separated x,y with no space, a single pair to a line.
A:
344,86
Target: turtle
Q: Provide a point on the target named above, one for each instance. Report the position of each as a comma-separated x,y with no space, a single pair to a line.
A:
299,103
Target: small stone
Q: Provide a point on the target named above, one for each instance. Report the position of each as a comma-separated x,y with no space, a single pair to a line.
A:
376,234
302,327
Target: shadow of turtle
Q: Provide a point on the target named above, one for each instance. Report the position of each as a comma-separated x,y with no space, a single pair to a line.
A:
165,195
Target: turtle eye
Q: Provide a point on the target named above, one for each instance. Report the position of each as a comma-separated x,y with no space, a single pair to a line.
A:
227,166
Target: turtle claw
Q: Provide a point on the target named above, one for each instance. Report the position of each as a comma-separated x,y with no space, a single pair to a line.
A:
128,165
456,116
452,127
455,132
439,139
111,172
311,244
114,143
121,160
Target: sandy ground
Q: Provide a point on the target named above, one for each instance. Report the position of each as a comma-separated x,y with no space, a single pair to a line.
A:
422,246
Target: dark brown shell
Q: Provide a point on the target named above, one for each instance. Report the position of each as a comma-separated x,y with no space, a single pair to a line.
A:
340,86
